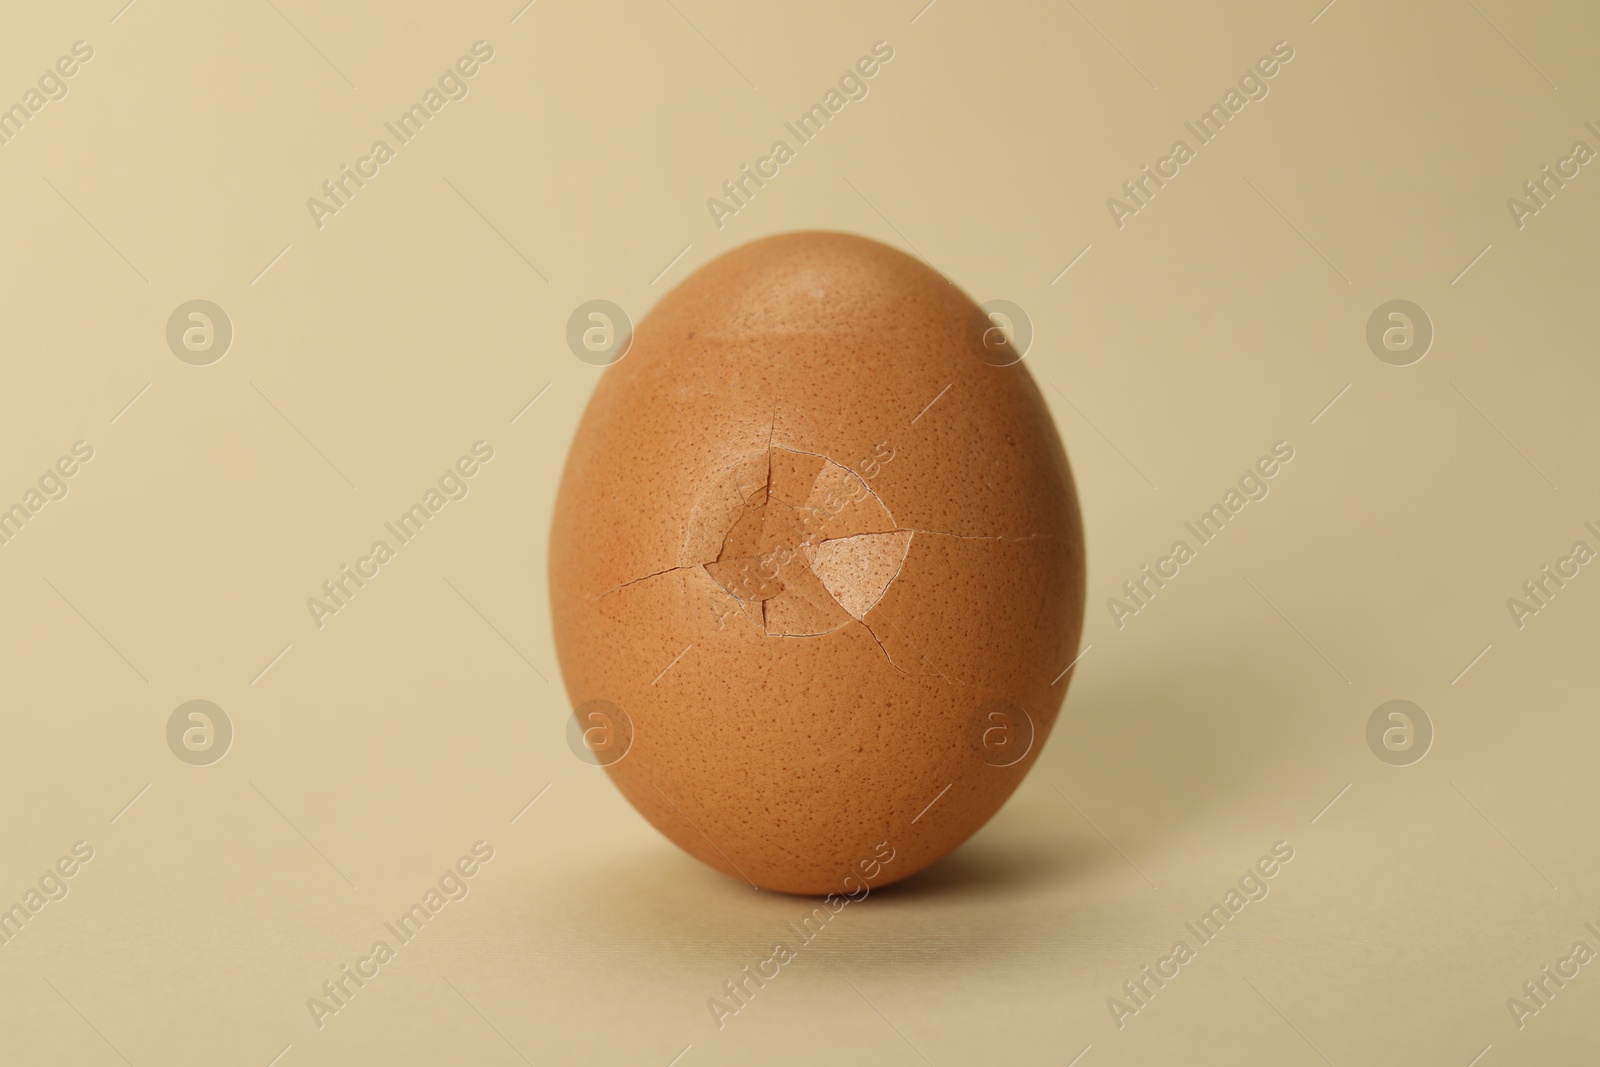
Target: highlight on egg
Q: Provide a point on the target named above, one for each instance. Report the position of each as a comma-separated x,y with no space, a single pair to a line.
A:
817,556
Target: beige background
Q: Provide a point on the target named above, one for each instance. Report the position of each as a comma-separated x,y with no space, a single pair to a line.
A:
425,716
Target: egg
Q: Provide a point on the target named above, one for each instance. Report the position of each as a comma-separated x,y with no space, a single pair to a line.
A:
817,566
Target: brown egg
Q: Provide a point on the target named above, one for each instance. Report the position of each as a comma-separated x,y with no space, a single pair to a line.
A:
825,556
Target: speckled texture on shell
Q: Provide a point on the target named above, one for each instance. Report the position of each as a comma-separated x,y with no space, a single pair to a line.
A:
853,583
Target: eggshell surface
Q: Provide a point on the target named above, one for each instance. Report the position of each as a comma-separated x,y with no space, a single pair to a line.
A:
824,553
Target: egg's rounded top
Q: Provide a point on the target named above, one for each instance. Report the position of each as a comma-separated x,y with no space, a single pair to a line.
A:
813,282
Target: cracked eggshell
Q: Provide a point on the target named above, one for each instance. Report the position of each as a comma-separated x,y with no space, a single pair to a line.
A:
808,598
